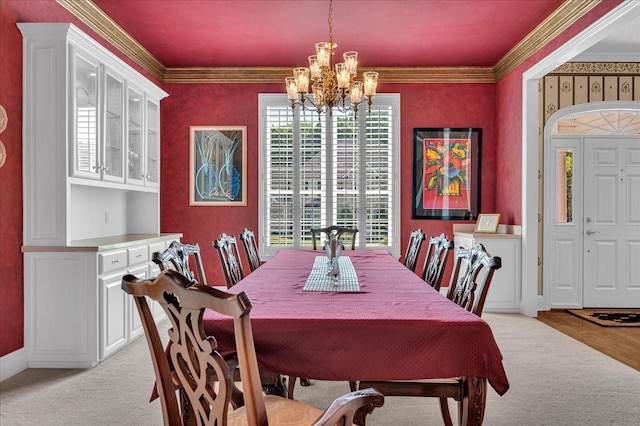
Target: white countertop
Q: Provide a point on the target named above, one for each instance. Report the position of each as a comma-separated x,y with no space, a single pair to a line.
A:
504,231
105,243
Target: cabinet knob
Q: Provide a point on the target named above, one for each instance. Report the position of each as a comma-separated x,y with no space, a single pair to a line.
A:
115,261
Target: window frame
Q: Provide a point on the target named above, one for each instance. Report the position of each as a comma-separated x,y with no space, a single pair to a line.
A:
279,100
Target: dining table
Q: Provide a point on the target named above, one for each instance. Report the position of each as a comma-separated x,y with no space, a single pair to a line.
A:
379,321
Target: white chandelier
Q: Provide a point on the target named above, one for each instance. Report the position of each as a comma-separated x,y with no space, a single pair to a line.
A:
330,88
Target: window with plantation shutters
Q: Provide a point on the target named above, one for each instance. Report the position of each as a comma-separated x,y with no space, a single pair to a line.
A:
319,170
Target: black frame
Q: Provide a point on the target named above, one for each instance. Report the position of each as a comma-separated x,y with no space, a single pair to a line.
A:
471,187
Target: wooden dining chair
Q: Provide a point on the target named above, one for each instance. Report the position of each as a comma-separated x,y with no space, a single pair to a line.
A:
435,260
251,249
177,257
413,249
229,258
334,230
203,372
472,273
470,281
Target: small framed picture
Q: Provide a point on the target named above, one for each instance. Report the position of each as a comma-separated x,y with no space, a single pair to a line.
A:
218,166
487,223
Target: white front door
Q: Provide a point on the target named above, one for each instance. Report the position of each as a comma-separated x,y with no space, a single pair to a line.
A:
611,222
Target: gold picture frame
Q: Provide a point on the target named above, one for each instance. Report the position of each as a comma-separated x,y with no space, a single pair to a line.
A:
218,166
487,223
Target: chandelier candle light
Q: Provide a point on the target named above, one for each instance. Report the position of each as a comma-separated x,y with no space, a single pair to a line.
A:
328,87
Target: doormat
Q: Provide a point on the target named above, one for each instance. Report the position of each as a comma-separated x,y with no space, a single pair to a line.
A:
609,317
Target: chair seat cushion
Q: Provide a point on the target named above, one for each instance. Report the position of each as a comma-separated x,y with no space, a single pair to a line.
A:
280,411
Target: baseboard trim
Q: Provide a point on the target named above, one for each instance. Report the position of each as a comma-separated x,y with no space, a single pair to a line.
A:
12,364
542,303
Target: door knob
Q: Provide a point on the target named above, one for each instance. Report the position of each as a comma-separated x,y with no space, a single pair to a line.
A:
592,232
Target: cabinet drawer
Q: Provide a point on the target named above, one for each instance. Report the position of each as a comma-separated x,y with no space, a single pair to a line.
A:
112,261
466,242
138,255
154,247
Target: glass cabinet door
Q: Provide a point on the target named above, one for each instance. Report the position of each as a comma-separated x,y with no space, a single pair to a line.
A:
86,158
135,173
113,137
153,144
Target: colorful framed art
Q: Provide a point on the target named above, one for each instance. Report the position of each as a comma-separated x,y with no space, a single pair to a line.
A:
446,173
218,166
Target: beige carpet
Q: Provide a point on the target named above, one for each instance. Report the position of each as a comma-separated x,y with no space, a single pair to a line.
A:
555,380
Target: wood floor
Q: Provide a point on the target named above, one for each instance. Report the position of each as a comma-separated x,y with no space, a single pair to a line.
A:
620,343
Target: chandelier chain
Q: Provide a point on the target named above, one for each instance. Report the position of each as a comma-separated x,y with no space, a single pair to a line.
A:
331,21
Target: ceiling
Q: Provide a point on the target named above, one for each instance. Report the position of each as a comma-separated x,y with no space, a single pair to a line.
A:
622,45
478,40
400,33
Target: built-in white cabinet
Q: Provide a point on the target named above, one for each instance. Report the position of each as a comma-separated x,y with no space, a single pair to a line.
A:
91,175
115,319
91,142
505,292
135,153
143,139
97,106
115,124
152,161
76,313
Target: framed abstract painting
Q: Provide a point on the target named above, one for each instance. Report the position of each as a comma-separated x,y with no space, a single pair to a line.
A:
218,166
446,173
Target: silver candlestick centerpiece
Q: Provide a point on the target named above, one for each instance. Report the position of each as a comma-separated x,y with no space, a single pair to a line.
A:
333,248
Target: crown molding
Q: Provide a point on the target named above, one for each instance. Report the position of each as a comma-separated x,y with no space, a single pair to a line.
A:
277,74
436,74
562,18
100,22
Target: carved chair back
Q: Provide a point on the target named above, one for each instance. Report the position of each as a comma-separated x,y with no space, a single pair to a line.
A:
413,248
229,258
471,277
436,259
334,230
251,249
202,371
177,256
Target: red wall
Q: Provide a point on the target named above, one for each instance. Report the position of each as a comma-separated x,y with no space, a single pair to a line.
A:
496,109
422,105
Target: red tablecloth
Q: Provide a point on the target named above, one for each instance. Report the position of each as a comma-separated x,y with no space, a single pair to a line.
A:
396,328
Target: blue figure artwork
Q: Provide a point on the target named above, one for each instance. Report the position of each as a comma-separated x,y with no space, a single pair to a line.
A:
217,176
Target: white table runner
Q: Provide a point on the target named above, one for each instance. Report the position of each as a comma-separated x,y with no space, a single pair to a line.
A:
319,280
